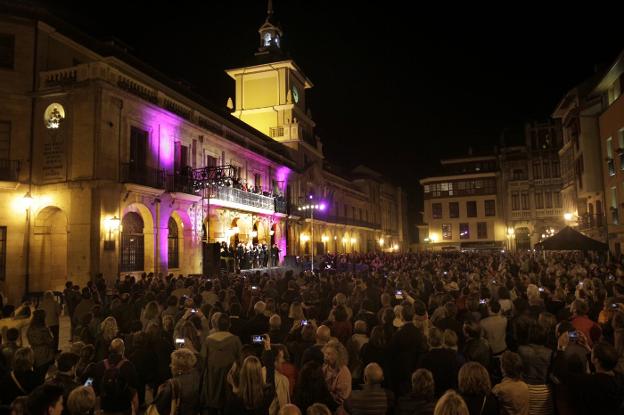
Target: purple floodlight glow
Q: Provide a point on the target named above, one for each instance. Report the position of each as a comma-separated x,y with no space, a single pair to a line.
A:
310,197
322,206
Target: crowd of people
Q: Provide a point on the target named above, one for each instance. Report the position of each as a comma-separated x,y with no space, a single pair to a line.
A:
421,333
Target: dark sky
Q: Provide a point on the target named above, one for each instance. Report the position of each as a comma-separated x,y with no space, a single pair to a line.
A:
396,87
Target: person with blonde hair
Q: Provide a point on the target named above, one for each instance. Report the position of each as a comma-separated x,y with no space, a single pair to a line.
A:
183,386
451,403
475,388
81,401
255,393
336,371
108,331
151,313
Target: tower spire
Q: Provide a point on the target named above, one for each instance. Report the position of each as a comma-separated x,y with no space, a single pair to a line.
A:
270,34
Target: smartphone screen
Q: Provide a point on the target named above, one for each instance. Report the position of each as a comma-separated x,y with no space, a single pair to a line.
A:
256,339
89,382
179,343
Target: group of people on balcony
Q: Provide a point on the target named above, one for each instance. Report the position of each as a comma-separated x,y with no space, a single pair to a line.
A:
249,256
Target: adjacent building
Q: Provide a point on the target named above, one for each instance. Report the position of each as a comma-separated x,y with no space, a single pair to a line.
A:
610,89
531,185
463,205
582,190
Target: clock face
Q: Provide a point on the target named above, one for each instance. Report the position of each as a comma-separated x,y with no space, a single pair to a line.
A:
295,94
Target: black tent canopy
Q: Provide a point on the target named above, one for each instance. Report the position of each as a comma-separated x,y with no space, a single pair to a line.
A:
568,239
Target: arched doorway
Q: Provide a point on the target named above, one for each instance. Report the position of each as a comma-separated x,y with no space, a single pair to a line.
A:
132,243
234,239
523,240
272,234
173,245
254,234
48,251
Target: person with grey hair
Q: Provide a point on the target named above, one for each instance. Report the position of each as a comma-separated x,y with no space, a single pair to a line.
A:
276,332
115,379
258,324
372,398
183,387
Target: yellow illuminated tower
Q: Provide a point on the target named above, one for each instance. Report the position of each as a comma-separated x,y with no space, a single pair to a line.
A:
270,92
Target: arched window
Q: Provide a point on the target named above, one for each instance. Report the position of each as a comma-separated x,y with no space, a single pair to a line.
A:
132,250
173,250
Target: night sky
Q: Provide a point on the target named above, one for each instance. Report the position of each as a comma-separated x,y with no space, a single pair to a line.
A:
395,88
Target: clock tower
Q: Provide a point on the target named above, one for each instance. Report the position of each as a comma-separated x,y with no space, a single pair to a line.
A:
270,92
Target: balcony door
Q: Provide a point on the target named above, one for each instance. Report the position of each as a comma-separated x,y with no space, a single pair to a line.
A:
138,154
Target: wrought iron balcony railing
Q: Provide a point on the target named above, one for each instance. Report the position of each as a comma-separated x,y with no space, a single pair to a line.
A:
143,175
231,194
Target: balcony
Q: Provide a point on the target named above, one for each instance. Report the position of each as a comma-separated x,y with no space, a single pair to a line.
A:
181,182
521,214
549,212
230,197
142,175
281,205
589,222
9,170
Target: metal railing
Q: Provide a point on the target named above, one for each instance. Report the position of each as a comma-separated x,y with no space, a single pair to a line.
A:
230,194
9,170
143,175
589,221
281,205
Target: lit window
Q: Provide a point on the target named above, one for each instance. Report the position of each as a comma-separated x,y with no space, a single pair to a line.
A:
267,39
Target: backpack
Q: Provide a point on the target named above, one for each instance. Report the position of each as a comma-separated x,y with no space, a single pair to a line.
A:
113,386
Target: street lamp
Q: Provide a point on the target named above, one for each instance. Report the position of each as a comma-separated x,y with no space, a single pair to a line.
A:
567,216
312,208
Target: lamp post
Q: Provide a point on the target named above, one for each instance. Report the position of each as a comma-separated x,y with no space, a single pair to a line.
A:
312,208
27,202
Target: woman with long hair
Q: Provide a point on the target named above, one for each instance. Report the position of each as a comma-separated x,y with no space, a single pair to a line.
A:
336,371
151,313
475,388
108,331
311,387
255,393
42,342
374,351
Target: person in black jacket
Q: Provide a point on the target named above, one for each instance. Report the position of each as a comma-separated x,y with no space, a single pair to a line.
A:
420,400
404,349
22,379
127,377
311,388
258,324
